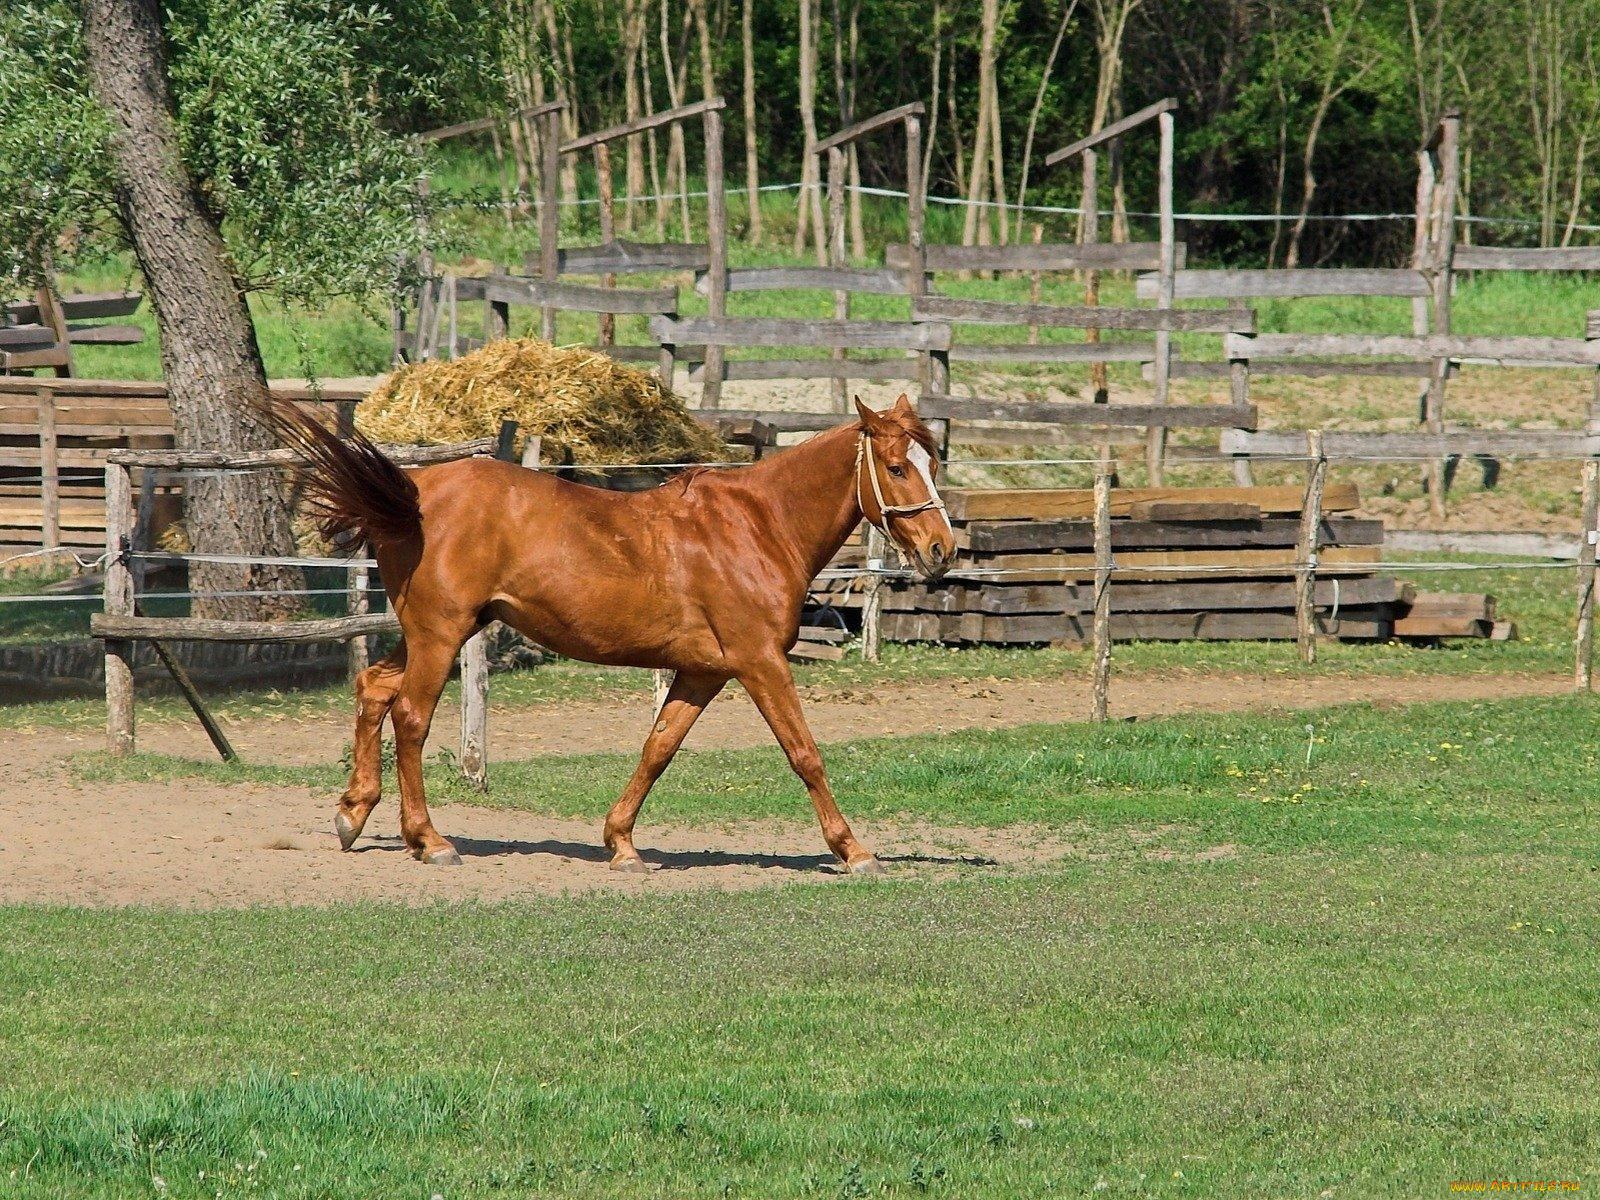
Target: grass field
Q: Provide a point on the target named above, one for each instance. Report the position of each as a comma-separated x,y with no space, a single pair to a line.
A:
1366,976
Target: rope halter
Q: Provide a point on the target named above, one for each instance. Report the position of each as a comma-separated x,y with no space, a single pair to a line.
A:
865,458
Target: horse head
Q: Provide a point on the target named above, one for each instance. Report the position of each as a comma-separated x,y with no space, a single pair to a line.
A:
897,460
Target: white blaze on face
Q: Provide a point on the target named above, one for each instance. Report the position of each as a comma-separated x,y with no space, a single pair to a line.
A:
918,458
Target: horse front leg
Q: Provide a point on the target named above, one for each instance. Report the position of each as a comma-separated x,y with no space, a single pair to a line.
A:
686,700
376,688
771,686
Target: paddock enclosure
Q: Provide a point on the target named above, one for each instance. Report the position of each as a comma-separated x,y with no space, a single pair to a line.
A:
1065,554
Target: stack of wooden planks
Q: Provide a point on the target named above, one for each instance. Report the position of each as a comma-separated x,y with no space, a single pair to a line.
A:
1191,563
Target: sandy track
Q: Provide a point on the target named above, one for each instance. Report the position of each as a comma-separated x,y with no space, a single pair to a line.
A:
196,844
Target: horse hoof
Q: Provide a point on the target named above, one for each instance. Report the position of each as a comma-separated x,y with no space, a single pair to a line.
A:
442,858
347,832
866,866
630,864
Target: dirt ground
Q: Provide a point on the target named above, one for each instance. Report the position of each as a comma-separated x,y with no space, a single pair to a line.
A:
192,843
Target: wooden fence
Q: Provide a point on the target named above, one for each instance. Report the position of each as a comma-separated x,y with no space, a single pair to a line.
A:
121,624
56,435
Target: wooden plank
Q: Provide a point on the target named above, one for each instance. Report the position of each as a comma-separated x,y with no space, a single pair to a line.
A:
1235,561
86,306
623,257
105,335
202,629
996,537
1302,281
102,389
971,628
1180,416
483,123
1191,510
1510,443
578,297
1505,545
782,421
1530,350
814,368
1003,504
804,651
1000,312
404,455
1428,625
1479,606
1548,258
870,125
1114,130
1036,256
1305,369
777,331
878,281
666,117
1056,352
1250,595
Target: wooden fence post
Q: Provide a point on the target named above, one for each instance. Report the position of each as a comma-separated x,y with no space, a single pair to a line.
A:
1583,674
358,650
49,472
872,600
660,685
1239,394
716,253
1442,263
475,709
1102,592
841,298
916,242
1156,449
119,602
1305,613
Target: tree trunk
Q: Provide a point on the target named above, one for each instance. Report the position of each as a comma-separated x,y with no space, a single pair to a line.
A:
752,160
980,143
810,199
209,353
633,36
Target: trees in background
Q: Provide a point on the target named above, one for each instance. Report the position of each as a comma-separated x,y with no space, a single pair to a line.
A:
1299,108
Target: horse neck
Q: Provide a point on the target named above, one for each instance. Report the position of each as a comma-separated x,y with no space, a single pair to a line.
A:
811,493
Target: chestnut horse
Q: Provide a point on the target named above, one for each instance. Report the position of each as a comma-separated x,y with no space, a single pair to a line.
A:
704,576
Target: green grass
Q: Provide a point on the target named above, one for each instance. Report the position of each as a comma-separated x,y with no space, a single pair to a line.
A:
1386,987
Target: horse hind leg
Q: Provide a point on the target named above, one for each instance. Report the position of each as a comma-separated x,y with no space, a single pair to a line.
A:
685,702
376,688
427,669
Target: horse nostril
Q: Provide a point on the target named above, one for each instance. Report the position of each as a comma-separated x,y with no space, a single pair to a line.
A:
938,552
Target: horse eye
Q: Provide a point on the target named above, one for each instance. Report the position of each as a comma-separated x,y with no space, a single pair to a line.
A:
897,472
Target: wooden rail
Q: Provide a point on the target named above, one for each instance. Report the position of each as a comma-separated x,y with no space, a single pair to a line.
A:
1114,130
850,133
1319,281
1038,256
999,312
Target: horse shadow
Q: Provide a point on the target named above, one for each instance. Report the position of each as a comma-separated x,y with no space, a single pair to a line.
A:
678,860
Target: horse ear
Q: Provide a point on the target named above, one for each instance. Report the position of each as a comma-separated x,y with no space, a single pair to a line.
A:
903,405
868,418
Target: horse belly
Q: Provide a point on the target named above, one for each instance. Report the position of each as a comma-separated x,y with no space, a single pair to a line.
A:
614,622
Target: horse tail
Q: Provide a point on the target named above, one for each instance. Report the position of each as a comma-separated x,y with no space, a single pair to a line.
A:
350,485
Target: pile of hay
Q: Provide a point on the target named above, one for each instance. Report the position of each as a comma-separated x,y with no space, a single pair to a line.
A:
587,408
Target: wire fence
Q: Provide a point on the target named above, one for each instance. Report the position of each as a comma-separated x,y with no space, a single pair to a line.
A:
486,200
